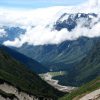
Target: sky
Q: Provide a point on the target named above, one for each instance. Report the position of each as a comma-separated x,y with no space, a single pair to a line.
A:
38,3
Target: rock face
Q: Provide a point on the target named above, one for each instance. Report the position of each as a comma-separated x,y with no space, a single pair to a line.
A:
3,98
19,95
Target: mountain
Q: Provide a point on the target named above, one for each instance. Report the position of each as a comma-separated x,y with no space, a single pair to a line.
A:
58,56
72,37
63,41
30,63
65,56
87,88
61,56
53,52
86,70
90,65
14,75
72,57
71,21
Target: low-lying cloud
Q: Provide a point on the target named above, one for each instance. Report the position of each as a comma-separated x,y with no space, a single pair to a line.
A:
41,36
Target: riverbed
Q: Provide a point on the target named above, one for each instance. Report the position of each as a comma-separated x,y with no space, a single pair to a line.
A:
48,78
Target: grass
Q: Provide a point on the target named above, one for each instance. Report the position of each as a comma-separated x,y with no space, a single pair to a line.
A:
54,74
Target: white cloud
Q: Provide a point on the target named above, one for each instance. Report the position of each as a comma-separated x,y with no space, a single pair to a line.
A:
40,18
27,17
2,33
94,3
15,43
40,35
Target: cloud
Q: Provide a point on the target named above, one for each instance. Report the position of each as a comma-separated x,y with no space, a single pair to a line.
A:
94,3
40,34
2,33
33,17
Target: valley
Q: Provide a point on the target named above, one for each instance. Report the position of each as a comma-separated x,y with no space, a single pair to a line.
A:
71,60
49,50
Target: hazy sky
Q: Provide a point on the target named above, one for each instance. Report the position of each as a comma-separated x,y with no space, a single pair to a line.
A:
38,3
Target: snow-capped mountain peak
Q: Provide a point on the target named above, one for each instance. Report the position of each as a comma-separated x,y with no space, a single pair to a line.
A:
70,21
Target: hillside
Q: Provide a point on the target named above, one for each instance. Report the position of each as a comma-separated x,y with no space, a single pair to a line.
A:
84,90
84,71
31,64
60,56
17,75
89,67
